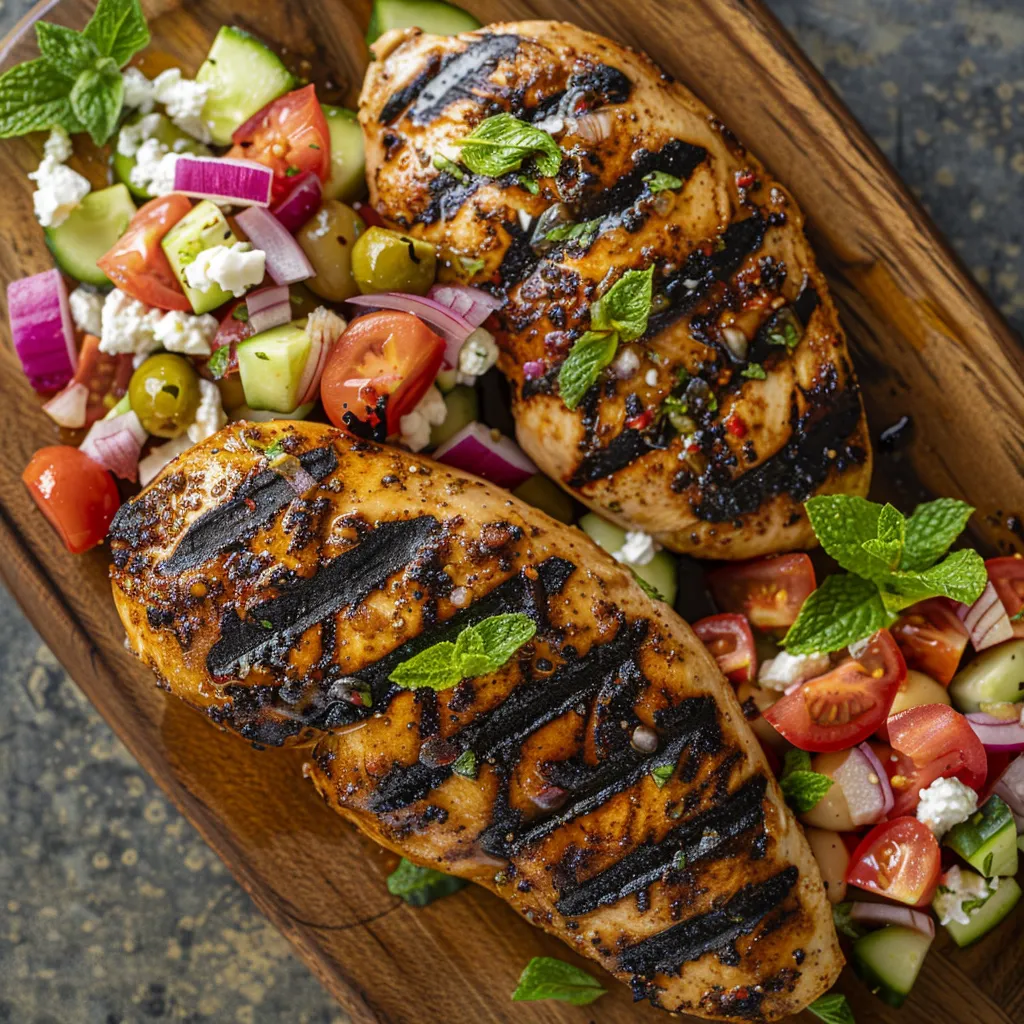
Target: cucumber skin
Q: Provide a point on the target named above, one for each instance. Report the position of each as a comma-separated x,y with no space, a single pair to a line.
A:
990,831
79,269
1008,896
389,14
347,180
864,955
271,384
995,676
661,572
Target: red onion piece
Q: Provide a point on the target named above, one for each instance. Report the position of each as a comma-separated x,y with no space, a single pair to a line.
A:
301,203
240,182
862,787
1010,789
986,620
67,408
474,305
888,799
592,127
286,262
475,450
116,444
269,307
41,329
997,733
889,913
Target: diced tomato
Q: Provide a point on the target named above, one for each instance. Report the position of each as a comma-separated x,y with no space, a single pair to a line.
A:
1007,576
290,136
105,376
641,421
846,705
378,371
769,591
729,639
931,638
77,495
899,859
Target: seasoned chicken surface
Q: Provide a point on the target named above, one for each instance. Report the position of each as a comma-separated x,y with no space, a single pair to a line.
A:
603,780
739,401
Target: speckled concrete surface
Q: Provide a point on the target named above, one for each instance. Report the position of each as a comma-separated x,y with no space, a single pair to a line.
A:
112,910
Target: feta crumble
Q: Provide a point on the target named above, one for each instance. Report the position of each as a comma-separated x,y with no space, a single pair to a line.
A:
59,189
154,168
183,99
132,136
627,362
945,803
478,354
127,325
782,671
959,892
86,310
651,377
415,426
234,268
210,416
138,90
58,146
182,332
638,548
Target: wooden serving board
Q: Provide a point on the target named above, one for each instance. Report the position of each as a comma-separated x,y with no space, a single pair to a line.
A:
927,344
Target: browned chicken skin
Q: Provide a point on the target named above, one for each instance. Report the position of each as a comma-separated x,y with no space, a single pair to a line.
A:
278,593
743,331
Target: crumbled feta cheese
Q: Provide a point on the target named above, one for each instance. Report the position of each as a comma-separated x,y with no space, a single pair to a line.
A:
210,415
182,332
59,189
785,669
651,377
127,325
945,803
183,99
637,549
138,90
478,354
627,362
86,309
415,426
325,326
959,892
154,168
233,268
553,124
58,146
132,136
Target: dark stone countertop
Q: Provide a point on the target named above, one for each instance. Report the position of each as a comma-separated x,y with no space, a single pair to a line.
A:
112,909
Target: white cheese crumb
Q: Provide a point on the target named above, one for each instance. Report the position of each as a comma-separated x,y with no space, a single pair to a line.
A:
627,362
957,887
86,310
154,168
415,426
945,803
234,268
210,416
138,90
651,378
785,669
59,189
478,354
183,99
182,332
58,146
132,136
638,548
127,325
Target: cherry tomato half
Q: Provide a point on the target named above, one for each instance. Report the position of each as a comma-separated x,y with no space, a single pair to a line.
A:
729,639
846,705
378,370
899,859
104,375
769,591
77,495
931,638
1007,576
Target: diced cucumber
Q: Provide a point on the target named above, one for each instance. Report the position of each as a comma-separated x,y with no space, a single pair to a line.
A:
889,960
271,365
171,136
433,16
122,406
995,676
90,232
660,572
546,495
447,380
984,918
1020,843
203,227
463,407
987,840
348,161
244,75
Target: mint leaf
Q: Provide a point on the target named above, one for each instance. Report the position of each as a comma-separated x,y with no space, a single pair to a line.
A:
502,636
465,765
547,978
501,143
961,576
65,49
625,307
217,364
662,774
96,99
446,166
931,531
436,667
584,233
649,589
754,371
843,610
804,790
833,1009
420,886
795,761
34,97
844,524
887,547
844,924
659,181
118,29
584,363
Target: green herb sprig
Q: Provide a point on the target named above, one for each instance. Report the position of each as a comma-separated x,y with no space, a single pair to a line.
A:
661,181
420,886
802,788
501,143
544,977
832,1009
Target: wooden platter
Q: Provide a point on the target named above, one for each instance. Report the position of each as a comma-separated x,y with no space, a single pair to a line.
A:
927,343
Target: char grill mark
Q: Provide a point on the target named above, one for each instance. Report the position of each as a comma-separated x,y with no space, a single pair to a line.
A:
601,85
255,503
344,582
621,451
667,951
709,834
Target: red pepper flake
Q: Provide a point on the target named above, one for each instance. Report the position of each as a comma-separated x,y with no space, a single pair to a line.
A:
641,421
250,504
580,105
736,426
745,178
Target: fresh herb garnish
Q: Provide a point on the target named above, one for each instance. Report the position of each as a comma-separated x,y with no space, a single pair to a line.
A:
528,184
465,765
266,624
662,774
420,886
240,313
892,562
802,788
275,450
217,364
446,166
471,266
547,978
76,82
833,1009
753,371
785,334
478,650
584,233
290,172
501,143
844,923
679,861
649,589
660,181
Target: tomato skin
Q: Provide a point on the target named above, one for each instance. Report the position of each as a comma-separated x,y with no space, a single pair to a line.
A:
899,859
138,266
290,136
1007,576
378,371
931,638
846,705
77,495
940,743
769,590
371,218
104,375
729,639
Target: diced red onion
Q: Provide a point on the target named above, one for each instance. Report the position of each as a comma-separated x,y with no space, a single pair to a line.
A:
889,913
997,733
862,786
474,305
313,370
888,799
455,329
1010,789
240,182
286,262
268,307
986,620
41,329
475,450
592,127
116,444
301,203
533,368
67,407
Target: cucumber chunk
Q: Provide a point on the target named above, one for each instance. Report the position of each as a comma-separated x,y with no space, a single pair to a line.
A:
546,495
661,572
889,960
244,75
171,136
983,919
203,227
89,232
463,407
348,161
995,676
271,365
433,16
987,840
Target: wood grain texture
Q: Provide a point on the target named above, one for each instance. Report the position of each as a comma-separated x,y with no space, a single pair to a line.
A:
927,344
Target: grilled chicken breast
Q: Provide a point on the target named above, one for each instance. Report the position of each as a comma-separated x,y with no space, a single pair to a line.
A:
275,575
739,401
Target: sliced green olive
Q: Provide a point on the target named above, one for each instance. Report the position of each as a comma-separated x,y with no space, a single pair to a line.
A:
328,239
164,394
388,261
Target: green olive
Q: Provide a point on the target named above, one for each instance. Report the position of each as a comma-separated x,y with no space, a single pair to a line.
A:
164,393
328,239
388,261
